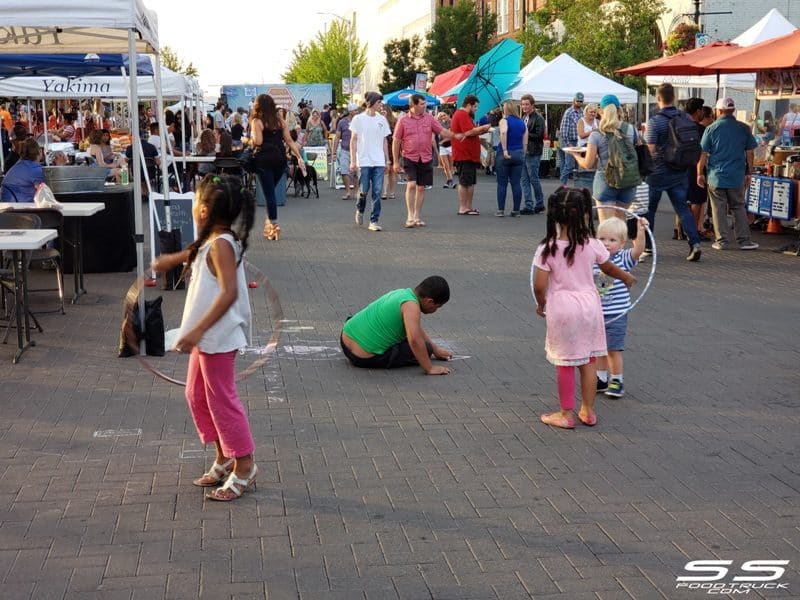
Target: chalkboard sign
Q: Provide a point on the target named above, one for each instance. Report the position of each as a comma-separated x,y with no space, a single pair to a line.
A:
180,206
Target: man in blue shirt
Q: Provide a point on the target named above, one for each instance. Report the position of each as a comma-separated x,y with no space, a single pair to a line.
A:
728,151
664,178
568,136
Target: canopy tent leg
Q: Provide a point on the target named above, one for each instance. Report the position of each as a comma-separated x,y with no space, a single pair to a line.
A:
137,170
44,121
756,106
162,134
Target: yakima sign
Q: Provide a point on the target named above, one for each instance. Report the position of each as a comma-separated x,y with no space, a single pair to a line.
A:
29,36
75,86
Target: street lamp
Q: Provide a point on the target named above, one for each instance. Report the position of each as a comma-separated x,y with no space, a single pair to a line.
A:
349,47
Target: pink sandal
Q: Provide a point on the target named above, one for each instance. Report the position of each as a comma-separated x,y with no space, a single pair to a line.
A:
556,419
589,421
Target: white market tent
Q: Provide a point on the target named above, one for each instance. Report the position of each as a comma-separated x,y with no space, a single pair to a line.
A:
770,26
88,26
559,80
529,70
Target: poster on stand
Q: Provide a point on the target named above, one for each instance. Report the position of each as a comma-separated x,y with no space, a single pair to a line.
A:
777,84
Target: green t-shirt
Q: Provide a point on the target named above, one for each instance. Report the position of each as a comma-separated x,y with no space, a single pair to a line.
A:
379,325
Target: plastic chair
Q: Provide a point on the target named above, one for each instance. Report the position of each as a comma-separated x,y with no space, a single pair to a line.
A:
50,218
15,220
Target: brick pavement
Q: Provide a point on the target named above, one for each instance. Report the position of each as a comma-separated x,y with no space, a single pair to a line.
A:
384,485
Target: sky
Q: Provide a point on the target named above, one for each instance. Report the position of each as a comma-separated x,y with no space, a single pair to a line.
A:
238,41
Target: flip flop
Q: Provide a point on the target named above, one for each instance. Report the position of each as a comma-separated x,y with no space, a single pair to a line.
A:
420,223
471,212
410,224
556,419
588,421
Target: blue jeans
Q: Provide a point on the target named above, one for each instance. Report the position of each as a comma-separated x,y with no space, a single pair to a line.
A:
530,177
676,189
568,164
371,176
509,170
268,178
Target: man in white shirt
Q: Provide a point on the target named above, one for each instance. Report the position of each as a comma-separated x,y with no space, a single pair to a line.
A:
369,151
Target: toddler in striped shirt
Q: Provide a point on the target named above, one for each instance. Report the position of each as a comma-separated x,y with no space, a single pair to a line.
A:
615,299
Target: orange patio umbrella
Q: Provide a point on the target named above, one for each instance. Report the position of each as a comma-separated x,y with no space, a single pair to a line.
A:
775,54
685,63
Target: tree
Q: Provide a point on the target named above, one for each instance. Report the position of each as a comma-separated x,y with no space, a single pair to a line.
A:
460,28
402,63
326,58
171,60
619,33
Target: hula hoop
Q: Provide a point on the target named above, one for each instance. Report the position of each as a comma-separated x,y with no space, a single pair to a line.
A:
652,268
273,304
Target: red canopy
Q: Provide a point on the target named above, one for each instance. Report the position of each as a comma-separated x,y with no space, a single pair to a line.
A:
775,54
690,62
444,81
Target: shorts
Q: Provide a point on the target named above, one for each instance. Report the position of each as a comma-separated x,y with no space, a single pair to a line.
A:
445,151
605,194
615,333
343,161
418,172
467,172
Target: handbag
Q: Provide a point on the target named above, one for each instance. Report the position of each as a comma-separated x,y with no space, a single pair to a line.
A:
646,165
248,160
153,334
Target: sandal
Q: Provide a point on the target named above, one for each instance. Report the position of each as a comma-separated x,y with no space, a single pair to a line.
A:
471,212
410,224
589,421
215,475
390,197
556,419
419,223
235,486
272,232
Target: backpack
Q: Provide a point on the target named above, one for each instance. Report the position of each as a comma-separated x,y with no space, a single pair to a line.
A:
682,151
622,168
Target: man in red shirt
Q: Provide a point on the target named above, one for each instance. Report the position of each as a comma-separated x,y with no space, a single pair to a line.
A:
466,152
415,133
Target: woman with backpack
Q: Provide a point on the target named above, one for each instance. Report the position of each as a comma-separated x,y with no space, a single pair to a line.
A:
614,140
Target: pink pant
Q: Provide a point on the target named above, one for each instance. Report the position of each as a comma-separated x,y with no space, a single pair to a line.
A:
565,377
215,406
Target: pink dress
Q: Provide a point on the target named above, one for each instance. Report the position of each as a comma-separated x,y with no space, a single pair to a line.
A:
574,316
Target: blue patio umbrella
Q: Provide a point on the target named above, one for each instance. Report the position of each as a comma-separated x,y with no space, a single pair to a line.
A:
399,99
493,73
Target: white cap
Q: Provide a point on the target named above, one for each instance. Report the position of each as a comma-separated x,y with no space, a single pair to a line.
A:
725,104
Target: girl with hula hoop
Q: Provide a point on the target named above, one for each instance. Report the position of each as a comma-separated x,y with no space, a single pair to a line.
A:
567,298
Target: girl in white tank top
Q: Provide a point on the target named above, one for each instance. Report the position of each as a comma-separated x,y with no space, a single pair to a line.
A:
215,325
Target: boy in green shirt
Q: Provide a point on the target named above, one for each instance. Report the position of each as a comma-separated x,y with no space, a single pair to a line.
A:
387,333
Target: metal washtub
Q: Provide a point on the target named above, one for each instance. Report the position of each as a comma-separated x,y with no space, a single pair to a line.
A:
67,179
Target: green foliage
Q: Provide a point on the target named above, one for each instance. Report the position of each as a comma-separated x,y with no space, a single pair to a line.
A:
682,38
171,60
325,59
604,36
402,63
460,27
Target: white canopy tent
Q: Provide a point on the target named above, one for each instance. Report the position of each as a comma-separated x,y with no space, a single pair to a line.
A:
771,25
86,26
559,80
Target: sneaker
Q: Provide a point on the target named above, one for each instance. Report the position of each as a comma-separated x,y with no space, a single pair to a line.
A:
602,386
615,388
375,227
448,184
359,218
748,246
513,213
428,187
499,213
526,211
645,254
694,253
719,246
538,210
453,185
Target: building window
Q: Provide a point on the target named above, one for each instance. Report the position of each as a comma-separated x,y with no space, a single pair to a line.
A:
502,17
517,15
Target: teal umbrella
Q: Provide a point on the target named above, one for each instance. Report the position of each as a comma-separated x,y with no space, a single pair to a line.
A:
492,75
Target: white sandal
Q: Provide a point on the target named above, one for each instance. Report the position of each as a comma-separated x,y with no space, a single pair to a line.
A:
235,485
216,474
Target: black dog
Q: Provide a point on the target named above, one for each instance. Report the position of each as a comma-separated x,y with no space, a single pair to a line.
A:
303,186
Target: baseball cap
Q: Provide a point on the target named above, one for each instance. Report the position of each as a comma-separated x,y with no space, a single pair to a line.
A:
609,99
351,107
372,97
725,104
579,96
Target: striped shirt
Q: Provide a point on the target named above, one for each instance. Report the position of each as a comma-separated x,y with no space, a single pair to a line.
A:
614,295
